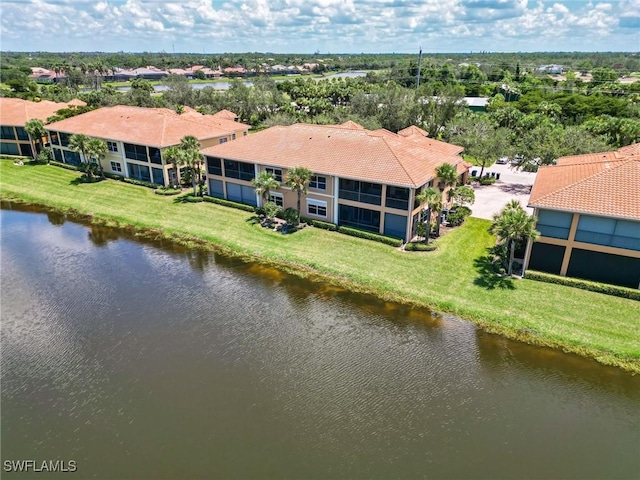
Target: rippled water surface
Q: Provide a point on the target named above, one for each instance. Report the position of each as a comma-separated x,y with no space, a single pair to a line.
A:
145,361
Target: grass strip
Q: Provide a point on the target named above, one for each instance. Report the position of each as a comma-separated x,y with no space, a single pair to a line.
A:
454,279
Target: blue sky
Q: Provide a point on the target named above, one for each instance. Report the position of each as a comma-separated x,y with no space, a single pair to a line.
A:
327,26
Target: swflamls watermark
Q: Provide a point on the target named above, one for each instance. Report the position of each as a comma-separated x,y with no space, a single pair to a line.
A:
37,466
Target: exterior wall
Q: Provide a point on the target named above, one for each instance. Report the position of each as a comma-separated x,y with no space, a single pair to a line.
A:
12,145
563,237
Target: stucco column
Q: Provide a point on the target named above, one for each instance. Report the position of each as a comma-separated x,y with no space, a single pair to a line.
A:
336,186
570,242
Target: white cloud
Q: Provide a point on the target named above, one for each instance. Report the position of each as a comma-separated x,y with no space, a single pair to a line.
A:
331,25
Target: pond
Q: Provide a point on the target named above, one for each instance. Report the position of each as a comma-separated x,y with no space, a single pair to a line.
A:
145,360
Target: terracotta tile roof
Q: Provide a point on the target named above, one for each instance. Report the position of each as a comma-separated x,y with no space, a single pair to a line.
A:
16,112
159,127
413,130
229,115
378,156
602,183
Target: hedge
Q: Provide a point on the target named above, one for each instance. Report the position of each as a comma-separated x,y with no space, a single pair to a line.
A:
319,224
376,237
229,203
605,288
114,176
421,247
63,165
167,191
141,183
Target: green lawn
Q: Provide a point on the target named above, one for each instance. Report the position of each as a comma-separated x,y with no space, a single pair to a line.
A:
450,279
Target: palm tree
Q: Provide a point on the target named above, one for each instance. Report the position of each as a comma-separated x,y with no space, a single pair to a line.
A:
298,180
264,183
192,158
175,156
433,199
511,225
448,175
36,131
96,149
78,143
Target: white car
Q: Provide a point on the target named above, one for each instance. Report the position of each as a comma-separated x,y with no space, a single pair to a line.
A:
502,160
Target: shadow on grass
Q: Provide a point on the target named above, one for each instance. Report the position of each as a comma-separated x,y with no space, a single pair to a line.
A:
488,277
254,220
84,179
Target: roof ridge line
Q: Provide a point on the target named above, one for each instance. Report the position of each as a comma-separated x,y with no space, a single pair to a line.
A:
385,138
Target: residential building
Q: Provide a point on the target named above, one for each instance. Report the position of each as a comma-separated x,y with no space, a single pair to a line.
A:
361,178
588,216
15,113
136,137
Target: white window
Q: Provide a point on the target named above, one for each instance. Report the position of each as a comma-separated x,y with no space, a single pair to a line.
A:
276,172
112,146
318,182
244,134
233,136
223,140
116,167
316,208
277,198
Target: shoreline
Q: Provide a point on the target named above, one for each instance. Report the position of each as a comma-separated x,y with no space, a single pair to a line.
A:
313,273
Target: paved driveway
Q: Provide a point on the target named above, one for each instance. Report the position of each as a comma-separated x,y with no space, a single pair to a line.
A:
513,184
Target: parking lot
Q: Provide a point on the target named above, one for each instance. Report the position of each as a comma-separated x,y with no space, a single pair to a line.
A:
513,184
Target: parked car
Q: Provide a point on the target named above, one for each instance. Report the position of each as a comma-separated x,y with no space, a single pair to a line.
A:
502,160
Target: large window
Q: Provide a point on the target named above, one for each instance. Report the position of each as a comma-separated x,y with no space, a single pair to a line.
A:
318,182
316,208
54,138
57,155
154,155
214,166
609,232
223,140
135,152
241,193
139,172
364,192
72,158
6,133
158,176
359,218
397,197
216,188
276,172
554,224
65,138
25,150
395,225
9,148
239,170
22,134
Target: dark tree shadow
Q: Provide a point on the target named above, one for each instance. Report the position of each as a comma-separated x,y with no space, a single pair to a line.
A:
488,276
85,179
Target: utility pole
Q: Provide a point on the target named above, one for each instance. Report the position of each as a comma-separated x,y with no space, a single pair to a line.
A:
419,66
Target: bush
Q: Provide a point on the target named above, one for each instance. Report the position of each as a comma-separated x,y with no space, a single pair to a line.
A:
421,247
487,180
229,203
458,215
63,165
114,176
291,216
605,288
376,237
190,198
167,191
141,183
319,224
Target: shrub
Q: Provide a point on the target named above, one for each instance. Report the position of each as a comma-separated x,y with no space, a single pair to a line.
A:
291,215
141,183
229,203
190,198
421,247
113,176
319,224
605,288
458,215
354,232
167,191
487,180
63,165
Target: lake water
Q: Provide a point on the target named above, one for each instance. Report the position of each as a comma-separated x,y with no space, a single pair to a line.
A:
140,360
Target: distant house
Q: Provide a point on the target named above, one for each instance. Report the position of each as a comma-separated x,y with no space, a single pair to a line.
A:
588,215
42,75
361,178
14,114
476,104
136,137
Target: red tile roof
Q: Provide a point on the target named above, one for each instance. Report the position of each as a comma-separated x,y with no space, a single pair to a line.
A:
159,127
600,183
345,151
17,112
